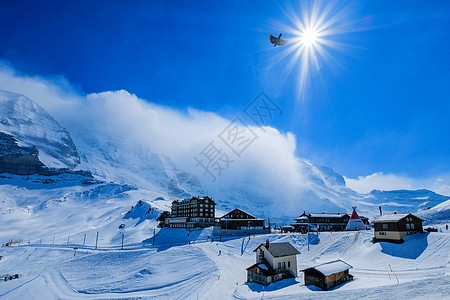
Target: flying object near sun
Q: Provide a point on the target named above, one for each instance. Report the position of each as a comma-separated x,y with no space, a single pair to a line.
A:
277,40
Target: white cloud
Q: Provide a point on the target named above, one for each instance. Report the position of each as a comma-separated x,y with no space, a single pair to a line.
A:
381,181
268,163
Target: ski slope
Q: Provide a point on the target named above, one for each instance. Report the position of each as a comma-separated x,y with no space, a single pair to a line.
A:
174,269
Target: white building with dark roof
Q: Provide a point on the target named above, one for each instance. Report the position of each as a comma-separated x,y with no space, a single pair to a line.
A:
274,261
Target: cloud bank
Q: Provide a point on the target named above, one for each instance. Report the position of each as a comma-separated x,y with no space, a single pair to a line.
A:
269,163
122,117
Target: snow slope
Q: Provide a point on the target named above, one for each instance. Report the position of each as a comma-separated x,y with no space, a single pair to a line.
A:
415,269
440,214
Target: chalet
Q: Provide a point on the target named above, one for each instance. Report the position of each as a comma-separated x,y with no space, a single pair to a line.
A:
274,261
194,212
238,222
321,222
393,228
328,275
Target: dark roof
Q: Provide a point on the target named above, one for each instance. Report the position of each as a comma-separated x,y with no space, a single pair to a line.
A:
394,218
280,249
241,211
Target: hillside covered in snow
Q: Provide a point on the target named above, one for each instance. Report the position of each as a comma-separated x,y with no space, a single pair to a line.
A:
86,201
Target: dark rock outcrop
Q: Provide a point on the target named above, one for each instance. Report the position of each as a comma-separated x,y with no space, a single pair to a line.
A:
18,160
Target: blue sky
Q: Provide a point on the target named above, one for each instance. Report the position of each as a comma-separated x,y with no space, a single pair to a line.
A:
380,105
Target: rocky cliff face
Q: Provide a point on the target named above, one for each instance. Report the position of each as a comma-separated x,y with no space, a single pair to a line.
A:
18,160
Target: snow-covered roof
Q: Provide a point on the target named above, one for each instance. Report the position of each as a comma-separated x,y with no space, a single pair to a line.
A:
332,267
302,218
231,219
327,215
287,226
392,218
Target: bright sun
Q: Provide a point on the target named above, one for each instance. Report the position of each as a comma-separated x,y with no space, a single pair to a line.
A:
311,41
309,37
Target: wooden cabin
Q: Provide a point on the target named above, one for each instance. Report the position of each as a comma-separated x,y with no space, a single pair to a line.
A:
328,275
238,222
393,228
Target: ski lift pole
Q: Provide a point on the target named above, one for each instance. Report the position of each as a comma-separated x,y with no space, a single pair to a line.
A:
307,237
96,241
122,240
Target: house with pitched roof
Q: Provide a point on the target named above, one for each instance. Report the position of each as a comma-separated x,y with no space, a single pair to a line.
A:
238,222
394,227
328,275
321,222
274,261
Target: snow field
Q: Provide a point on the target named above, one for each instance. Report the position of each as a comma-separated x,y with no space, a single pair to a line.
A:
186,271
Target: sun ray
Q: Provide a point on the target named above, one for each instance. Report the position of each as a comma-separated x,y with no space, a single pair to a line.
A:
313,30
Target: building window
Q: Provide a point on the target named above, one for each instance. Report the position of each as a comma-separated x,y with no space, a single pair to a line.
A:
407,226
279,265
385,226
412,225
382,233
289,264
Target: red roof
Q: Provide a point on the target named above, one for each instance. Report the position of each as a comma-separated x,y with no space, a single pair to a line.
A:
354,215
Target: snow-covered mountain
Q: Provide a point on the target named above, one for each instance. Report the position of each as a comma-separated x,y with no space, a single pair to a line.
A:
138,172
31,125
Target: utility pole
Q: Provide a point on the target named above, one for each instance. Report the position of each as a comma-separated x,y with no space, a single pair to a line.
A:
96,241
84,241
68,238
53,242
307,237
122,240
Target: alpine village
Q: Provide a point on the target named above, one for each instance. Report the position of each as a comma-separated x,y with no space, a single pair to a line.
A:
275,261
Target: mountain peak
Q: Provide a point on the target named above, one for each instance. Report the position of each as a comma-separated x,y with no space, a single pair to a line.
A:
31,125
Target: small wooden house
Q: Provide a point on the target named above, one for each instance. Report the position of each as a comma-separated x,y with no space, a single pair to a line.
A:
328,275
393,228
274,261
